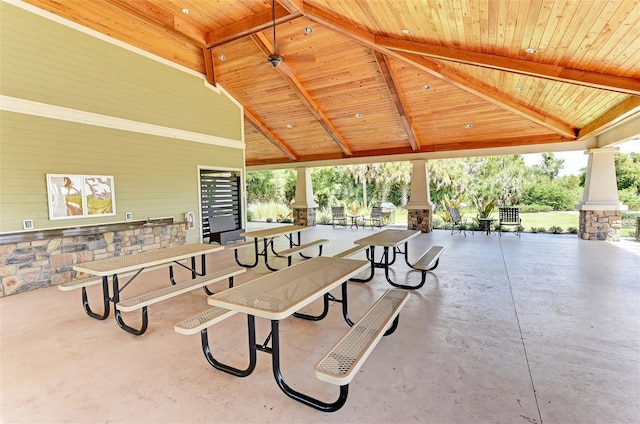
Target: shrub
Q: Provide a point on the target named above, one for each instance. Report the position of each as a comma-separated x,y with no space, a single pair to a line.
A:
534,208
437,222
630,198
542,230
534,230
323,216
559,198
572,230
555,229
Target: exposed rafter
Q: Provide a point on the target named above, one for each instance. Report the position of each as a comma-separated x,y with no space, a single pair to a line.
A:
391,85
614,116
432,68
265,46
249,26
519,66
262,129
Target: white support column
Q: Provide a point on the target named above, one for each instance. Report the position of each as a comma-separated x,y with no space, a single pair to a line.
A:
600,208
420,208
304,206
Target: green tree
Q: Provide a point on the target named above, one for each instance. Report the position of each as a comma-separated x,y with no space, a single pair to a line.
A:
549,166
447,177
628,171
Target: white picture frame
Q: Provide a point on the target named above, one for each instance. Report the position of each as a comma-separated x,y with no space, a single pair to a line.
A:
80,196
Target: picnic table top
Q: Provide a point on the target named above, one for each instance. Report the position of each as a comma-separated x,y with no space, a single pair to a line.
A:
388,238
275,231
151,258
279,294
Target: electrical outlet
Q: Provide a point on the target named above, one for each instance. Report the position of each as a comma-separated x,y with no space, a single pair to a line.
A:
128,216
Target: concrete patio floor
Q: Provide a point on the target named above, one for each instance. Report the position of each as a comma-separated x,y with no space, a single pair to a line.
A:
537,329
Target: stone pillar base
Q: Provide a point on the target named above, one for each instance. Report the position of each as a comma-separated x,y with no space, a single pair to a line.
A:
304,216
419,219
600,225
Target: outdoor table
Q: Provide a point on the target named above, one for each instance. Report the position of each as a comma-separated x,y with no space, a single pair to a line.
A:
387,239
268,235
354,220
485,224
137,263
279,295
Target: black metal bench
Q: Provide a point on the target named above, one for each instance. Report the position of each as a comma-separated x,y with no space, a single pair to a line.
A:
223,229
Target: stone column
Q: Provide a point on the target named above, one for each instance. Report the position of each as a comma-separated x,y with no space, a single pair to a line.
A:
600,209
304,206
420,208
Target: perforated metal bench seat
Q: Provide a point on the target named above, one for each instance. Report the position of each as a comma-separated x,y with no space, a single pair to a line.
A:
430,257
203,320
167,293
342,362
76,284
351,252
235,246
287,253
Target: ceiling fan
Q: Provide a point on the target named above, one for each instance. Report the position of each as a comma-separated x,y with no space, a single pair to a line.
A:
274,58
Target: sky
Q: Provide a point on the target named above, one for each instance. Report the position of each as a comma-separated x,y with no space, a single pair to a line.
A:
576,160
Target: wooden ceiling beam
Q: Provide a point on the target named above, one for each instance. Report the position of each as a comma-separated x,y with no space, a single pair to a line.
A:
395,95
541,70
149,12
262,129
624,110
426,65
265,46
208,66
248,26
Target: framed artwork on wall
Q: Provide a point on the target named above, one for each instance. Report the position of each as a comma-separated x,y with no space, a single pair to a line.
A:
80,196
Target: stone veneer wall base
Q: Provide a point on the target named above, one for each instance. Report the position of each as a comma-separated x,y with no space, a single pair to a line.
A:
600,225
304,216
36,264
419,219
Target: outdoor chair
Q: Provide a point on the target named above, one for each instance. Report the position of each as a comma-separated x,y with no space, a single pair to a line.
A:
375,218
337,215
457,221
509,216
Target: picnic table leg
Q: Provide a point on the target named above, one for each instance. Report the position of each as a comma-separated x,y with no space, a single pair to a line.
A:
324,313
105,301
119,319
293,394
206,349
255,247
404,286
371,257
329,297
266,253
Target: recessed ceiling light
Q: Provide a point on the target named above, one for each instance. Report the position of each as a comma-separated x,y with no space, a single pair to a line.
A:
406,31
358,115
289,126
222,57
426,87
186,11
531,50
308,30
468,126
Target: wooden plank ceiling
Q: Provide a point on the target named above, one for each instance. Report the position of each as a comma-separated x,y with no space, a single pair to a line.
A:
366,78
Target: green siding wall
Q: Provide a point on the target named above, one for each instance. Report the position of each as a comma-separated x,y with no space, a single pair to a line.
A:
154,176
46,62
